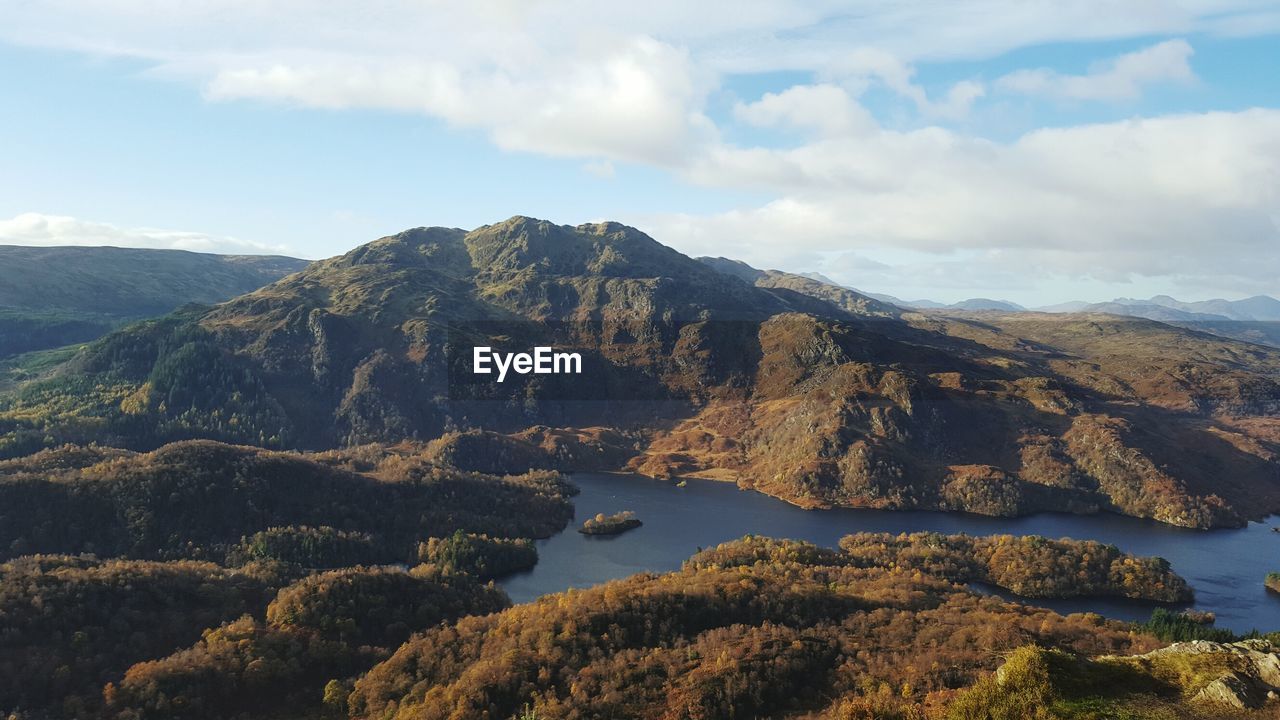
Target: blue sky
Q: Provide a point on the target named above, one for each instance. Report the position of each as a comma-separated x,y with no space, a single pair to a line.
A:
1034,151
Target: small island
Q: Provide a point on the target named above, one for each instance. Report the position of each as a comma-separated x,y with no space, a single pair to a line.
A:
1272,582
613,524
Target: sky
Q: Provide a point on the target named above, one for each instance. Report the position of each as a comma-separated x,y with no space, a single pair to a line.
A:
1038,151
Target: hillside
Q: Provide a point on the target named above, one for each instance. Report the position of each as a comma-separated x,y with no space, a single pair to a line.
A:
54,296
782,383
209,501
753,628
1021,415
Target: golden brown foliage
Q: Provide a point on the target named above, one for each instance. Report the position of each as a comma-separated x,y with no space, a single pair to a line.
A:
1031,566
69,624
753,628
200,499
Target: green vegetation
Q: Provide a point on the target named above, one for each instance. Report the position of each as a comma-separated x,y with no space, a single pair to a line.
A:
1037,683
308,547
1178,627
234,670
614,524
1272,581
51,297
18,369
151,383
479,555
780,383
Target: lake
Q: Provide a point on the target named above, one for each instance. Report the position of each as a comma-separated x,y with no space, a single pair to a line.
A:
1225,567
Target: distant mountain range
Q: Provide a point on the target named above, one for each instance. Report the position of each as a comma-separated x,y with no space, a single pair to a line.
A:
970,304
54,296
1260,308
1255,319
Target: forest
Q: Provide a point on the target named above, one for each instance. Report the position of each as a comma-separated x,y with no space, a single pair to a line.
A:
206,500
1030,566
753,628
157,583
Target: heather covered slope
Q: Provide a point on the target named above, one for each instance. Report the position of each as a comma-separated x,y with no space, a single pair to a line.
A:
60,295
784,383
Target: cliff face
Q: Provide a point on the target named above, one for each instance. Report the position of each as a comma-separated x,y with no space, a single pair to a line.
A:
795,387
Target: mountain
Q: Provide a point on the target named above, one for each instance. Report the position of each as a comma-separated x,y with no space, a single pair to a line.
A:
786,384
807,285
814,276
1151,312
911,304
1070,306
1258,307
986,304
970,304
1255,319
61,295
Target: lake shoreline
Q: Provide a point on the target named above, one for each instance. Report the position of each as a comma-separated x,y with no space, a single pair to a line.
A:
1225,567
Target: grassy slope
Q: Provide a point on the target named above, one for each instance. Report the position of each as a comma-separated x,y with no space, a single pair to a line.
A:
57,296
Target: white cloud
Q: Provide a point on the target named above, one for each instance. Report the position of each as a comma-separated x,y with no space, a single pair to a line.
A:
622,81
1121,78
637,99
867,64
1188,196
1184,197
602,169
59,230
825,109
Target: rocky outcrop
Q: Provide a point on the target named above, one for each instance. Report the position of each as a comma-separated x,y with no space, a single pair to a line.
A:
1250,675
